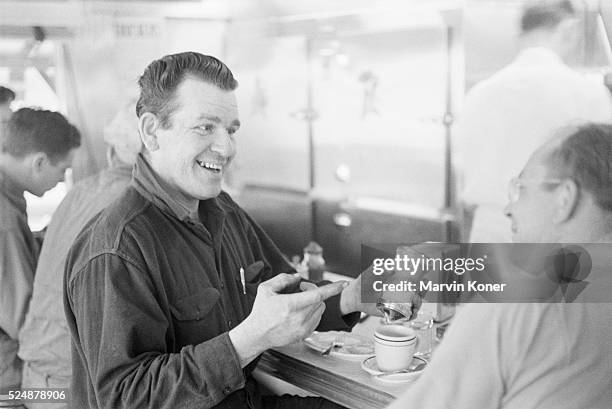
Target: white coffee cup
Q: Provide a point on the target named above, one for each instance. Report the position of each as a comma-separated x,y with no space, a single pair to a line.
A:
394,346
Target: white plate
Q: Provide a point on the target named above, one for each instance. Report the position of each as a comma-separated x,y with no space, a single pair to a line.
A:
353,347
369,365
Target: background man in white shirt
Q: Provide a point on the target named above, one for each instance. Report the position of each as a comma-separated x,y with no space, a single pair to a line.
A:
510,114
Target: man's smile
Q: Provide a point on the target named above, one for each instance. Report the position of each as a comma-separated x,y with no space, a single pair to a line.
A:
210,166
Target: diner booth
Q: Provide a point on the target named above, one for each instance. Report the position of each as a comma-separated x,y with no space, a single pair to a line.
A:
347,109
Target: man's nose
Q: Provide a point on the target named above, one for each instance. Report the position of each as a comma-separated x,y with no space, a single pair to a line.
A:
223,144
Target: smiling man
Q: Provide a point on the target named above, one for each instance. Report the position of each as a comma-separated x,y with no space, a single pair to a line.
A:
173,291
547,355
35,152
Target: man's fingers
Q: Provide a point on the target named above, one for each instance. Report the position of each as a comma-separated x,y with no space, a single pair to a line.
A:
306,298
312,308
313,318
306,286
320,310
280,282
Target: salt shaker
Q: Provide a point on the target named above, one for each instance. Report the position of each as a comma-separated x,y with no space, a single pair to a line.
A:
313,259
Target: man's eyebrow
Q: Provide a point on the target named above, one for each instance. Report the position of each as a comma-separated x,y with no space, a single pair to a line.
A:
217,120
212,118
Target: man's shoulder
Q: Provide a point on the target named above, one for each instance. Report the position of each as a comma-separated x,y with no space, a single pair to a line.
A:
511,78
125,209
104,233
95,191
521,75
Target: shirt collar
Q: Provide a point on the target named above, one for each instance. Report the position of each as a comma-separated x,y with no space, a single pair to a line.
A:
12,192
538,55
120,170
165,196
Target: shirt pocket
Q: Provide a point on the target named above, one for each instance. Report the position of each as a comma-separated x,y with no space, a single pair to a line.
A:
197,317
253,276
253,273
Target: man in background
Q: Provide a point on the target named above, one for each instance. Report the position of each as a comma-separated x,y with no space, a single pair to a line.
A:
551,354
6,97
36,149
44,340
506,117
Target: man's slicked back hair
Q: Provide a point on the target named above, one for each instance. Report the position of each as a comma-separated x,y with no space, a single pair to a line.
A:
36,130
161,78
585,155
545,14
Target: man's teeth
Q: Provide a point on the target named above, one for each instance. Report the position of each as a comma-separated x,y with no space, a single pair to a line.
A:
210,166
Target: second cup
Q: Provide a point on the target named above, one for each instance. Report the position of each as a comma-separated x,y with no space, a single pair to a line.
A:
394,346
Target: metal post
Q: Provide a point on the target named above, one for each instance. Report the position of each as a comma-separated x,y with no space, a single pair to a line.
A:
310,117
449,182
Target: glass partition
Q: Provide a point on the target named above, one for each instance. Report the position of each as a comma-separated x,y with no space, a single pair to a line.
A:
380,99
273,139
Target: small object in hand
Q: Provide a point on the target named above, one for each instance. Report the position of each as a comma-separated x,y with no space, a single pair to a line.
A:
394,311
306,286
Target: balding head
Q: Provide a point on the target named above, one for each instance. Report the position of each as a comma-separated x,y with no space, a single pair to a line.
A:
584,154
122,135
564,193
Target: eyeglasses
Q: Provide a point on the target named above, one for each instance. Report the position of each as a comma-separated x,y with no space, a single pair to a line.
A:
515,185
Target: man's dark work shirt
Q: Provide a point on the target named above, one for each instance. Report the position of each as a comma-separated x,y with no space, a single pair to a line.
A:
150,296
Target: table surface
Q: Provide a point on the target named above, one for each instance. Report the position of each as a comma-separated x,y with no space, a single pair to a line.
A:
338,380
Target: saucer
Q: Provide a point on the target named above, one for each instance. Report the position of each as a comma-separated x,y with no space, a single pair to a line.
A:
370,366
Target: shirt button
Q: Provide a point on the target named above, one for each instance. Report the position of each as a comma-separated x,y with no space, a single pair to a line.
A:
230,323
227,390
222,285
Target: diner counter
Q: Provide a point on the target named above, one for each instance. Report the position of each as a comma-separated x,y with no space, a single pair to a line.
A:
333,378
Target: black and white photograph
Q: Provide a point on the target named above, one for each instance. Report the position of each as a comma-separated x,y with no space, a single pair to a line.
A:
291,204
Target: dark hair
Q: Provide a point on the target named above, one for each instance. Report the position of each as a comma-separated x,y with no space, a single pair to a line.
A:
546,14
585,155
33,130
161,78
6,95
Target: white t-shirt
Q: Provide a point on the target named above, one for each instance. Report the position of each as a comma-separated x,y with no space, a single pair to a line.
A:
506,117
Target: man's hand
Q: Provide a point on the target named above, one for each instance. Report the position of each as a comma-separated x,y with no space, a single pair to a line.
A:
350,299
280,319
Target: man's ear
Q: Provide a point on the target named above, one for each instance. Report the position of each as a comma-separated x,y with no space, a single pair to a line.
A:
38,162
148,124
568,196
